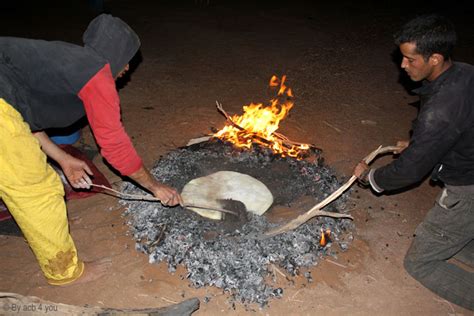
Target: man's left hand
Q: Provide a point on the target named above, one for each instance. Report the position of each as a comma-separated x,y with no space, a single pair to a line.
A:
77,172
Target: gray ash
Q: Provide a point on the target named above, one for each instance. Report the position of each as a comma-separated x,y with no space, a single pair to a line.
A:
237,260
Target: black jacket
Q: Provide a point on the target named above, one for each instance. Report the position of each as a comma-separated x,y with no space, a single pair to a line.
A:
42,79
443,134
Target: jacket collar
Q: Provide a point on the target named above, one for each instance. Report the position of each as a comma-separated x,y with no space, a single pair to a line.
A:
428,87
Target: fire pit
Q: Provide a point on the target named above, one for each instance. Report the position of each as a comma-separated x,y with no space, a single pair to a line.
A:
235,254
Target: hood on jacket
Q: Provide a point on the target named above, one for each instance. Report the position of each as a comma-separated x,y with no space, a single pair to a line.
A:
113,39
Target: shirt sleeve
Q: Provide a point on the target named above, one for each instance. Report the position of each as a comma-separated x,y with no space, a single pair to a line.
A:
435,132
372,182
102,106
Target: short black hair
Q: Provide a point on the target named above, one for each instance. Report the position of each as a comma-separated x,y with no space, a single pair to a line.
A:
431,33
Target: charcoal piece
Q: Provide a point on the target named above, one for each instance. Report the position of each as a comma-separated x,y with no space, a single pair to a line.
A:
278,292
231,254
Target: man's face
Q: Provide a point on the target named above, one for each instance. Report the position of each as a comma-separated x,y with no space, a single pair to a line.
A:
414,64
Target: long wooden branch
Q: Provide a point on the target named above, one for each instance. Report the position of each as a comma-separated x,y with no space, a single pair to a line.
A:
127,195
316,210
227,116
155,199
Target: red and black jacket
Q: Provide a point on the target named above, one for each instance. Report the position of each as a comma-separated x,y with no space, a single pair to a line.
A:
53,84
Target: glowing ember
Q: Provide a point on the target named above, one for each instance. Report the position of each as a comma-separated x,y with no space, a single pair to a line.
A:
259,123
324,237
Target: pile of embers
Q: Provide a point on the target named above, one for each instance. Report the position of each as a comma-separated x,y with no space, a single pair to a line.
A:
239,260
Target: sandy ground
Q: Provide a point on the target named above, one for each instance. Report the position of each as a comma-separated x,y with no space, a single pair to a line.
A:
350,98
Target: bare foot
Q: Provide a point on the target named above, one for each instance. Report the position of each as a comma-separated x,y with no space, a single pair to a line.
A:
93,270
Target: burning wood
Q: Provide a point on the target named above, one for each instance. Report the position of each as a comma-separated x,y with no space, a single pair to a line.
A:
258,124
324,237
239,260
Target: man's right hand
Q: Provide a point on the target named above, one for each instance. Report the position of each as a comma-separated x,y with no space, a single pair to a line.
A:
167,195
402,144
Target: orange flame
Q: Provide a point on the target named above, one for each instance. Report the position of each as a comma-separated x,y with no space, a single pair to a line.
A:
258,124
324,237
274,82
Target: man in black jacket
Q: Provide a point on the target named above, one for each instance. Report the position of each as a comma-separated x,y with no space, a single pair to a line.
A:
442,143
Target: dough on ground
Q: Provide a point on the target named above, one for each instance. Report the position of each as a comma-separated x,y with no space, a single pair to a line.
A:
224,185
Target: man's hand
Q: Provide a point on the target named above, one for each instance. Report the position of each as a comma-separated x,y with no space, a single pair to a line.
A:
361,171
167,195
402,144
76,171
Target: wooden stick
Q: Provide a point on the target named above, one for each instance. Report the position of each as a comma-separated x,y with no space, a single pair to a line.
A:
316,210
227,116
278,270
237,126
210,208
128,196
162,233
155,199
332,126
336,263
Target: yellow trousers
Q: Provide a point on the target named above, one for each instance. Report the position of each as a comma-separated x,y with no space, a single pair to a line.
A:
34,195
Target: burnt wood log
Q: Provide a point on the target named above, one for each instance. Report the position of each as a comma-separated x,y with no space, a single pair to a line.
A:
12,303
285,140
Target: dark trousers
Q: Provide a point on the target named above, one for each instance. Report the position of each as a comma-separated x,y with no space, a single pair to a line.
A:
447,231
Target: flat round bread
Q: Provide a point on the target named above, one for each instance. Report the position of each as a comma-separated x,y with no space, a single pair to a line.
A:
226,185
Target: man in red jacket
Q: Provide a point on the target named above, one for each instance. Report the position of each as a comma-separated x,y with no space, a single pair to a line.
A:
52,85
